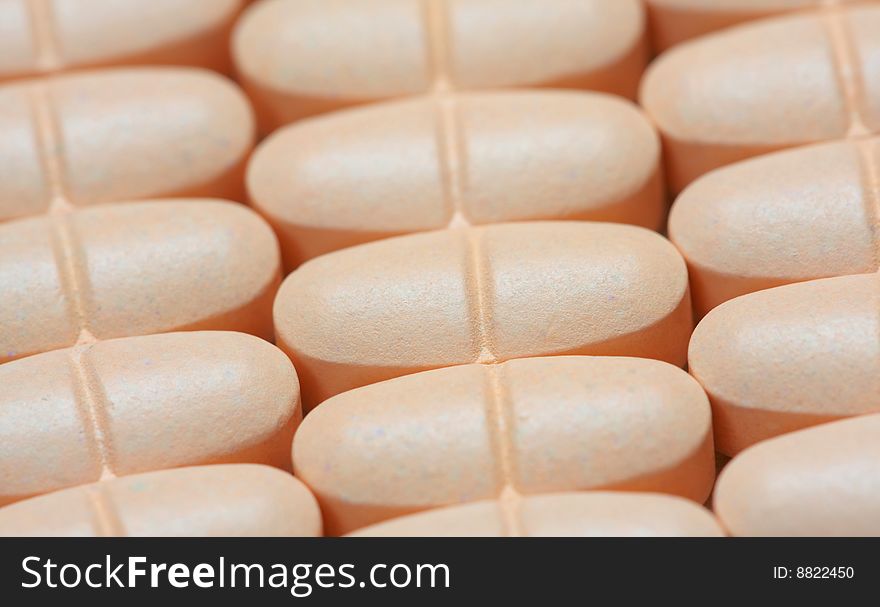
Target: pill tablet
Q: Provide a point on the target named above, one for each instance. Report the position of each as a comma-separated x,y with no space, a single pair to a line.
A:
756,88
484,294
134,269
121,135
824,481
473,432
790,357
311,56
586,514
468,158
225,500
43,36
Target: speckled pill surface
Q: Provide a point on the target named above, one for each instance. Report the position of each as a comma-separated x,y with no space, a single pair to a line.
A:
310,56
760,87
584,514
783,359
223,500
538,425
823,481
464,159
134,269
113,135
485,294
124,406
44,36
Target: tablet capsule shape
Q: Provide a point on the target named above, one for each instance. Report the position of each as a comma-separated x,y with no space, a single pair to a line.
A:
760,87
783,359
584,514
202,501
469,158
824,481
307,57
122,134
484,294
134,269
474,432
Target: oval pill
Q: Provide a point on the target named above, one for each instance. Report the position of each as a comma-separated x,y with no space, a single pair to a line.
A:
539,425
485,294
134,269
470,158
226,500
302,58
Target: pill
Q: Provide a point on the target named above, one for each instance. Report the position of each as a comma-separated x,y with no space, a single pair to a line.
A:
772,84
135,404
45,36
823,481
482,294
311,56
538,425
469,158
584,514
223,500
786,358
123,134
134,269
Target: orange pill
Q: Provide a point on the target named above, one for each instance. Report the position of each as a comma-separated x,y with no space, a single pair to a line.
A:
783,359
484,294
44,36
225,500
824,481
134,269
121,135
586,514
791,80
469,158
302,58
474,432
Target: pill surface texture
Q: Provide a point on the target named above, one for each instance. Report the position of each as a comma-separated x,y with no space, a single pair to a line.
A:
783,359
474,432
311,56
824,481
469,158
224,500
487,294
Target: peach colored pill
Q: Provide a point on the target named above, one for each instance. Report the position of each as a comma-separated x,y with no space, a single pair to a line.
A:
760,87
790,357
539,425
311,56
225,500
485,294
824,481
134,269
586,514
136,404
478,158
43,36
121,135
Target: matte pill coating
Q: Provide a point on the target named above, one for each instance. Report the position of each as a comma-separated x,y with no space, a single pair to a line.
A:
478,158
760,87
130,405
311,56
225,500
823,481
134,269
485,294
783,359
44,36
585,514
538,425
121,134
